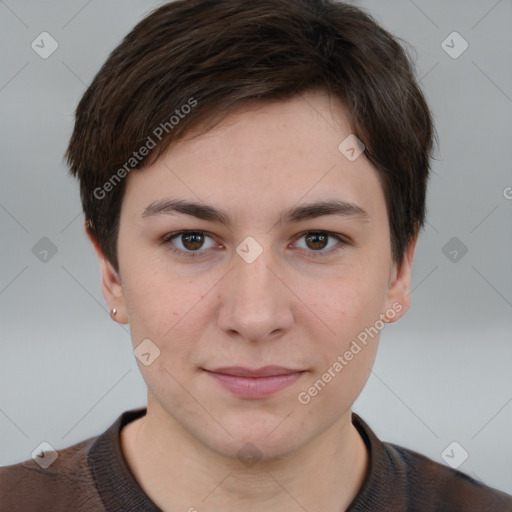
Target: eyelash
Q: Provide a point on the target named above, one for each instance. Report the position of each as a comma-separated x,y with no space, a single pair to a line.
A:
167,239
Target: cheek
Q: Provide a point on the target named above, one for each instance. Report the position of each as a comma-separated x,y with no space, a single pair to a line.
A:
156,297
170,310
333,391
345,352
346,301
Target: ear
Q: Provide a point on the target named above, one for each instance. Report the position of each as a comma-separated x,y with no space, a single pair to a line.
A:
110,281
398,298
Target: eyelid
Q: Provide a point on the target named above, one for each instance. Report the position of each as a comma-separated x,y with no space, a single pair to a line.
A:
168,238
342,242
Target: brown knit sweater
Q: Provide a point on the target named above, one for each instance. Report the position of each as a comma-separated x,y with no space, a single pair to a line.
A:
92,476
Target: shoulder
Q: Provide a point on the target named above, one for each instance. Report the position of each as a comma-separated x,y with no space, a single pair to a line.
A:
402,480
66,484
441,487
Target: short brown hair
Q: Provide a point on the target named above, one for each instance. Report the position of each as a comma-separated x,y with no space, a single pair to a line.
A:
214,55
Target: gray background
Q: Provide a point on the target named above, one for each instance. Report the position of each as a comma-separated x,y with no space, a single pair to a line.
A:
442,373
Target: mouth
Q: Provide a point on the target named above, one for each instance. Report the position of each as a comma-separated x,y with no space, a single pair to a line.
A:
254,383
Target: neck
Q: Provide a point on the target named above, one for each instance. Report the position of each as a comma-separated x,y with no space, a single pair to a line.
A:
178,472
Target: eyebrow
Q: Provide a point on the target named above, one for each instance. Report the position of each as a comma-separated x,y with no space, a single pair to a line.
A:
290,215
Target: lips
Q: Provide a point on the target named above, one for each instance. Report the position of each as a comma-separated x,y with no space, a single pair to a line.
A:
266,371
254,383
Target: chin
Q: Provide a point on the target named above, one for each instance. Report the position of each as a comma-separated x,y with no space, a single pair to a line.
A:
256,439
250,451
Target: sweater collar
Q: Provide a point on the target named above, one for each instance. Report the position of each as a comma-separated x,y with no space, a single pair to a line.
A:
120,491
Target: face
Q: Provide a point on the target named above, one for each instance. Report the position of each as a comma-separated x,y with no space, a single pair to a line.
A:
254,277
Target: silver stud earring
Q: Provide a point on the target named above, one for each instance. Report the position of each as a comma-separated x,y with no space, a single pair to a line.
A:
113,312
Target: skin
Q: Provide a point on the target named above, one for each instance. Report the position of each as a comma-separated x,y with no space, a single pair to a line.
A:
286,308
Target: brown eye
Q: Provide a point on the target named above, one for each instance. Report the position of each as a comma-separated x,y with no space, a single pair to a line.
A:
192,241
189,243
317,241
321,243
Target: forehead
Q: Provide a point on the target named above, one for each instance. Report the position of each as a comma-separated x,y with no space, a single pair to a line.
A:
260,158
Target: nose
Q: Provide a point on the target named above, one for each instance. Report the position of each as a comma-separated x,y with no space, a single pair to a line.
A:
255,303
